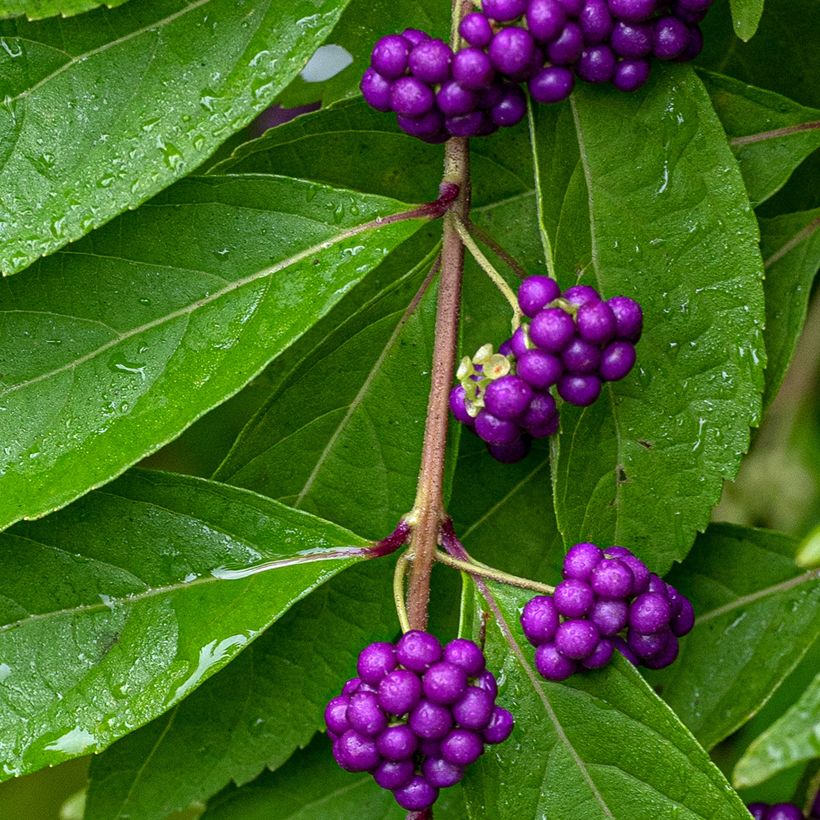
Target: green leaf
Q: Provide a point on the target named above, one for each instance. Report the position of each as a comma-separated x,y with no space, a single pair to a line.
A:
746,15
655,209
39,9
756,617
256,712
791,248
769,134
103,605
598,745
101,112
792,740
124,339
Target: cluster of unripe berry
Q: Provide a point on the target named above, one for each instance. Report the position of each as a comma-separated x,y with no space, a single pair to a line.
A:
416,716
776,811
438,93
603,594
574,342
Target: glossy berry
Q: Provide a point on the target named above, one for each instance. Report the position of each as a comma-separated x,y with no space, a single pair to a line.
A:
510,108
545,19
579,390
552,665
581,560
444,682
474,709
612,579
617,360
411,97
472,68
465,654
666,657
784,811
430,720
356,753
504,10
376,90
595,21
511,452
581,295
573,598
399,692
539,369
458,405
511,51
440,773
576,639
647,646
417,795
375,662
476,30
365,715
552,329
650,612
461,747
393,774
535,292
758,810
390,56
600,656
418,651
336,715
628,317
397,742
581,357
670,38
567,47
596,322
507,397
633,10
500,726
539,620
609,616
683,622
494,430
552,84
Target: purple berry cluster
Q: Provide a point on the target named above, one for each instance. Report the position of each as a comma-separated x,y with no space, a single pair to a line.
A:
416,716
605,592
573,342
776,811
438,93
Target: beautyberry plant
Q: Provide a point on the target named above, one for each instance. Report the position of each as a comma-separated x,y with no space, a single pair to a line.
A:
379,394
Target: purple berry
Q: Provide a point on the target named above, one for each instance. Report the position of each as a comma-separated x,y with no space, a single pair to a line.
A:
475,28
694,46
461,747
597,64
640,573
520,342
474,709
397,742
365,715
664,658
657,584
417,650
671,37
542,414
511,51
576,639
375,661
424,127
581,357
486,681
390,55
465,654
410,97
595,21
632,40
649,612
539,369
494,430
758,810
617,359
458,405
784,811
454,99
617,552
552,329
472,68
500,726
628,318
612,579
376,90
674,597
694,5
551,664
579,390
511,108
394,773
572,7
630,75
623,647
581,295
336,715
511,452
444,682
441,774
417,795
430,61
683,622
545,19
650,645
399,692
415,36
573,598
581,560
552,84
601,655
567,48
465,125
430,720
596,322
535,292
356,753
504,10
508,397
609,616
633,10
539,620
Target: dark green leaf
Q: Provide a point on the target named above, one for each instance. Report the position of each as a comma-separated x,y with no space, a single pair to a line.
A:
746,16
599,745
116,608
769,134
757,614
38,9
793,739
791,248
655,209
101,112
115,345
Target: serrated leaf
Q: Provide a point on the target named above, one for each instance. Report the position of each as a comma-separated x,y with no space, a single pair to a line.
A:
746,15
116,609
600,745
640,195
791,740
204,69
770,135
757,614
39,9
124,339
791,248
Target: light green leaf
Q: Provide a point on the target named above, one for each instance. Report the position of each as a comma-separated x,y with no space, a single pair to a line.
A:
791,248
757,615
39,9
769,134
117,608
746,15
791,740
641,196
102,111
600,745
112,347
